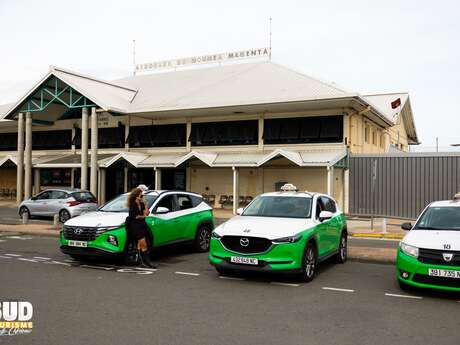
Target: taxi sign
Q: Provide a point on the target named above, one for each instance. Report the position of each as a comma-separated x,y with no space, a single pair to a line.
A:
289,187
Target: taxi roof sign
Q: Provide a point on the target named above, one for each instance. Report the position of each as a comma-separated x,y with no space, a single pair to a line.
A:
457,197
289,187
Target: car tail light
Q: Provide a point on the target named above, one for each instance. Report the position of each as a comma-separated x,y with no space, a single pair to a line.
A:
73,203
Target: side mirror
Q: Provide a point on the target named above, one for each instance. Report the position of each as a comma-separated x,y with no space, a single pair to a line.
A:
406,226
162,210
325,215
239,211
33,198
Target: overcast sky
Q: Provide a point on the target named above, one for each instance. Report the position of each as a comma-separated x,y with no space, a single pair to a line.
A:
364,46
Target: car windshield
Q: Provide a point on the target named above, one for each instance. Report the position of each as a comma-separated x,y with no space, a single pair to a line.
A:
120,203
440,218
279,206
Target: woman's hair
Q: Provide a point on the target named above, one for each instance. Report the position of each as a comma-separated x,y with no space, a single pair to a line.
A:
133,195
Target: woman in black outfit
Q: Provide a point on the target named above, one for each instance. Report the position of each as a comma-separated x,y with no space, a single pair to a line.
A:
136,228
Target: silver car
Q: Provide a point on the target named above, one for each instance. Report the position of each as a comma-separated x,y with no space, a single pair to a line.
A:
66,203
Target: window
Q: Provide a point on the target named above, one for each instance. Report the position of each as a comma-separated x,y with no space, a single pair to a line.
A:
184,202
57,194
8,141
196,200
113,137
157,135
55,177
224,133
43,196
52,140
329,204
120,203
366,134
167,201
279,206
320,129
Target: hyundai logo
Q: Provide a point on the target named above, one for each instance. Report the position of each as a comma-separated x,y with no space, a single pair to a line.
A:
447,257
78,231
244,242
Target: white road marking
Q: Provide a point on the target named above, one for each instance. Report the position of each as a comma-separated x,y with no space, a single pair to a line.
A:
284,284
403,296
98,267
188,274
135,271
2,240
14,255
230,278
56,263
337,289
28,260
19,237
41,258
70,260
5,257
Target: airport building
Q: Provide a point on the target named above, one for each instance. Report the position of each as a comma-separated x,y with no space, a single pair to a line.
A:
229,132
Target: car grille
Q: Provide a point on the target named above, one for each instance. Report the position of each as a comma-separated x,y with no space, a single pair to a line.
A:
434,256
442,281
79,233
254,244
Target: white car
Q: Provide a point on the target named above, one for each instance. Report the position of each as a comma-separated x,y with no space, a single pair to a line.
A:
281,232
429,255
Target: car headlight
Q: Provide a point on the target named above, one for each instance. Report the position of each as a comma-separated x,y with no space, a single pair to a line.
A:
409,250
102,230
289,239
112,240
215,235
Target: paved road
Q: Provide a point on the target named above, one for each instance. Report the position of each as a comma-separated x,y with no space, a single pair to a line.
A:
186,302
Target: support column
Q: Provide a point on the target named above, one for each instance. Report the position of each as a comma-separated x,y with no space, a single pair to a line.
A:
36,181
102,183
20,160
157,178
236,195
330,180
72,147
28,158
84,149
127,129
125,179
261,132
346,190
94,169
72,177
188,131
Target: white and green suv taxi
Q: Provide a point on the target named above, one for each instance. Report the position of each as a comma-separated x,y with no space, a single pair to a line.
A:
284,232
174,217
429,255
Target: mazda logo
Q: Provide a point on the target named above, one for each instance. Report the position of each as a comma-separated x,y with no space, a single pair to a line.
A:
244,242
447,257
78,231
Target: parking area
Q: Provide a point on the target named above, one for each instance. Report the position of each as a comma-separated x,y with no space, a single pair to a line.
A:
186,302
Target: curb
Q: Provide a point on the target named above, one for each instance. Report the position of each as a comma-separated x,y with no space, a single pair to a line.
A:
371,235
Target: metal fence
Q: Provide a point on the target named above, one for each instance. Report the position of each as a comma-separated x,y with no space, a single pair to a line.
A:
401,185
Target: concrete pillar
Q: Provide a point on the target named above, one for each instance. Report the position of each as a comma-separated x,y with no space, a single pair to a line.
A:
127,129
188,178
102,183
261,132
94,170
72,177
36,181
84,149
236,195
20,160
157,178
188,143
73,144
125,179
28,158
346,190
330,180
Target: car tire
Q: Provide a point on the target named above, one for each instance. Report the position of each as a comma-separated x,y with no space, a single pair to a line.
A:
309,263
341,256
64,216
24,210
203,238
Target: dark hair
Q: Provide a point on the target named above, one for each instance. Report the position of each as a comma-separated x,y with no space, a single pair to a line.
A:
133,195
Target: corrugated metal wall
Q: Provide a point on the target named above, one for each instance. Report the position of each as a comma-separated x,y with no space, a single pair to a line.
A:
404,185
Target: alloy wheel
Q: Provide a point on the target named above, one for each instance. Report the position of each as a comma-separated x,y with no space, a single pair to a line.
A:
310,262
64,216
204,238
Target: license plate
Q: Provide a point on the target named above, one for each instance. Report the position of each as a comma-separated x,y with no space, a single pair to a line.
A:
444,273
243,260
78,244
